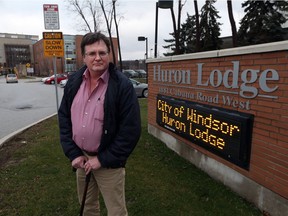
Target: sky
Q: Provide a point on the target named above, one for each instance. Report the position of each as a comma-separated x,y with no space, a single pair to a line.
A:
137,18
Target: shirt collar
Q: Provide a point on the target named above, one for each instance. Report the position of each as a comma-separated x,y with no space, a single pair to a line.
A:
104,77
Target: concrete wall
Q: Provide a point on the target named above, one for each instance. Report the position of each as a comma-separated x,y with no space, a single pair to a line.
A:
265,68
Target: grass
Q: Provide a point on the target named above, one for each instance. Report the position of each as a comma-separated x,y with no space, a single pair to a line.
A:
36,179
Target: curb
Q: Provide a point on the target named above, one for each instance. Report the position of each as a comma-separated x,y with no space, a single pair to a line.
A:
12,135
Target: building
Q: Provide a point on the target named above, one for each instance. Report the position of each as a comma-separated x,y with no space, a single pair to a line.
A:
69,62
70,52
16,52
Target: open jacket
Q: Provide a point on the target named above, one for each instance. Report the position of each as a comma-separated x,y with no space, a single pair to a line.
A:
122,122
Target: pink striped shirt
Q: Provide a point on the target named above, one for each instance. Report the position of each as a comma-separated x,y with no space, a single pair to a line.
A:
88,113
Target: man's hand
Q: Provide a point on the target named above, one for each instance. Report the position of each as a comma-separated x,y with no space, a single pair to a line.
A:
92,164
79,162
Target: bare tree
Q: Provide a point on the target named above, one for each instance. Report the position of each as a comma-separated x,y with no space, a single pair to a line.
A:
117,32
108,28
86,9
232,22
97,13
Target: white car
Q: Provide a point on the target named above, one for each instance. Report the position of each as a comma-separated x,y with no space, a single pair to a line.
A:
11,78
44,79
63,83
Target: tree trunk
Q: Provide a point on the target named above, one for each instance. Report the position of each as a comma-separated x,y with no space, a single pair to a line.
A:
197,27
232,22
109,31
118,38
178,24
175,32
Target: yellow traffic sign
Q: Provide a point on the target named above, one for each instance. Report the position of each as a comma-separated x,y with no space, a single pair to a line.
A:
53,48
52,35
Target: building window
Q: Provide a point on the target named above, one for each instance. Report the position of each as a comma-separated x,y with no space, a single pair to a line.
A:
17,54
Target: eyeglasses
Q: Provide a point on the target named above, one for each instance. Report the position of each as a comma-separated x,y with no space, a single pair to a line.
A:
94,54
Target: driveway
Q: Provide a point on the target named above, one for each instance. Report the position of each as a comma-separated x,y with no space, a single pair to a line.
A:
24,104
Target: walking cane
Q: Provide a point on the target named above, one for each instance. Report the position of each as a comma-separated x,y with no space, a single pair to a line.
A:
87,180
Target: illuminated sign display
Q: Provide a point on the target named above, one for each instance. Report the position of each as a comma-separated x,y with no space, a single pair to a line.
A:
224,132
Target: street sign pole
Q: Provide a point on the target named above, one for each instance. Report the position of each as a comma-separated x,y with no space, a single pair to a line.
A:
55,84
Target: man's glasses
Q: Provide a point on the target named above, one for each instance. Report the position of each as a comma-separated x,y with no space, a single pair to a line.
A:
94,54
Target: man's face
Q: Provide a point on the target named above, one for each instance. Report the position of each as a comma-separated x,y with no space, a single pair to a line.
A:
96,57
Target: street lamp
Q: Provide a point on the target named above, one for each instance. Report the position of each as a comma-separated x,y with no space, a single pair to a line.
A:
142,38
168,4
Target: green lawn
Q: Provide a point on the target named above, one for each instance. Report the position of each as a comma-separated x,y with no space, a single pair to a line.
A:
37,179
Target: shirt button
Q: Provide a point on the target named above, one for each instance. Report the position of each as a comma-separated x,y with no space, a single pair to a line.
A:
86,113
83,126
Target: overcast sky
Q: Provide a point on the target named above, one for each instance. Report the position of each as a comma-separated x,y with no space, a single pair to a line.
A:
137,19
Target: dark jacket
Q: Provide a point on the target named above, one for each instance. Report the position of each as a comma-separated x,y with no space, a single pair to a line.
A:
122,123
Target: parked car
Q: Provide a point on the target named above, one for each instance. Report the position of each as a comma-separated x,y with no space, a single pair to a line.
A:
44,79
141,73
63,83
141,89
11,78
130,73
69,73
51,79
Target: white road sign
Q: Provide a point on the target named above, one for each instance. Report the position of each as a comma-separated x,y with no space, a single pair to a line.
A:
51,16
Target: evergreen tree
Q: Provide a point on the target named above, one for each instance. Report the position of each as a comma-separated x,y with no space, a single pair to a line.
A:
188,35
209,27
262,22
171,46
187,38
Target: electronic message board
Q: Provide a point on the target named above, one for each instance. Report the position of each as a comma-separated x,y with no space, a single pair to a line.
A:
224,132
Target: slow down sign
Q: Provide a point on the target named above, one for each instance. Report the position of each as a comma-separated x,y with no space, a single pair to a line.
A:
53,48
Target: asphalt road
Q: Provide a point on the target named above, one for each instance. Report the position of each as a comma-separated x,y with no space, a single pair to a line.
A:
24,103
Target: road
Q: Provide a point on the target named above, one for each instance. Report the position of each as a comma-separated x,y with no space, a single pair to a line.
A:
25,103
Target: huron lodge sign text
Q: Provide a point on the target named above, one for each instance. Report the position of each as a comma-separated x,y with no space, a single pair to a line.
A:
247,83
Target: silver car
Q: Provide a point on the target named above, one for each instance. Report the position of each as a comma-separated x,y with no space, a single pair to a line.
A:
140,88
130,73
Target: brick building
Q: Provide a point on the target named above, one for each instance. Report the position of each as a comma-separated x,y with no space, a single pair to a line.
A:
16,50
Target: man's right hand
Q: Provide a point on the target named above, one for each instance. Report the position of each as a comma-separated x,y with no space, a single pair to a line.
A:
79,162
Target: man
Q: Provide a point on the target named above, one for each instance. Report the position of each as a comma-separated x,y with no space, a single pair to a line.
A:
99,120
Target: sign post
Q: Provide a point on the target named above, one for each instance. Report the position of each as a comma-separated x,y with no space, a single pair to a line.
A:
52,41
